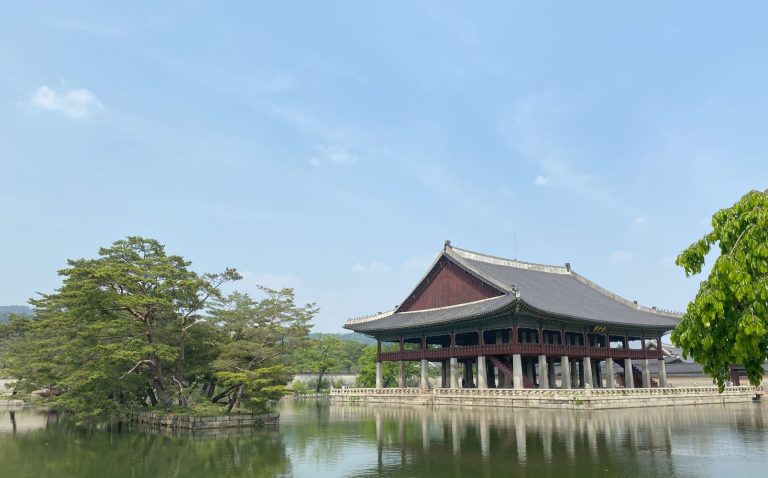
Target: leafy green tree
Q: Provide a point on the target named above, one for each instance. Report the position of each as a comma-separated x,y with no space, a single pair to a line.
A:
115,332
727,322
255,339
390,370
321,356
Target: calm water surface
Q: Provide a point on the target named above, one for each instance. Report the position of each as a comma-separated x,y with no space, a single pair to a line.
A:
317,439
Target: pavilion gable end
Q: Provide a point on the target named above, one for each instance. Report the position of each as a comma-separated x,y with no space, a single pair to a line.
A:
448,284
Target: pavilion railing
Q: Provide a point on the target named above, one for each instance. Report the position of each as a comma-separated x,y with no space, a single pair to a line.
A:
528,349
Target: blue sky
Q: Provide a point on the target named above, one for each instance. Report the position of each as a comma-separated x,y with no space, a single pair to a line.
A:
334,146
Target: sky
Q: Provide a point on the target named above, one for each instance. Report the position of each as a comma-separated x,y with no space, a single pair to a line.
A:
333,147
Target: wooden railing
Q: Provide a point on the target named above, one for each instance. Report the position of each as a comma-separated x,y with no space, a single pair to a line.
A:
528,349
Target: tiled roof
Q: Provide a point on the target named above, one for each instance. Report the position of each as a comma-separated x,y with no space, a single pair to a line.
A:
552,290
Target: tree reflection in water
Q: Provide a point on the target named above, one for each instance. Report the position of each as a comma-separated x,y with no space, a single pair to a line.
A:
318,439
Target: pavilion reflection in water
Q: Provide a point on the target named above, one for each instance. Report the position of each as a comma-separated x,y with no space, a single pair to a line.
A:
532,437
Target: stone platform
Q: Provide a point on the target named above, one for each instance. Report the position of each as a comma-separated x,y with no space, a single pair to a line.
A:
578,399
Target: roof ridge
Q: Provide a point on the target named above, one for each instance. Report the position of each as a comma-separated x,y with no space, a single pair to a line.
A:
481,257
369,318
454,305
618,298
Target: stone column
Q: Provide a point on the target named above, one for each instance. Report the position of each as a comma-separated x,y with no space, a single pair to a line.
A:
646,374
543,373
662,374
574,374
401,375
424,375
454,372
468,375
379,377
517,372
565,372
551,373
491,382
610,374
586,373
597,372
629,377
445,374
482,373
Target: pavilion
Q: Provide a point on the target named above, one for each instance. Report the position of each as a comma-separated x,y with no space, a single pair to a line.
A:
513,324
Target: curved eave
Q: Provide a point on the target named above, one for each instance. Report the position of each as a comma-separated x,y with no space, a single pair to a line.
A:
392,321
586,320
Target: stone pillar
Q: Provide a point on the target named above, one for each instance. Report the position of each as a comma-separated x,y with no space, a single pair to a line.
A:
491,381
662,374
586,373
482,373
597,372
551,373
445,373
529,370
454,372
565,372
379,377
610,374
468,375
646,374
574,374
629,377
517,372
424,375
543,373
401,375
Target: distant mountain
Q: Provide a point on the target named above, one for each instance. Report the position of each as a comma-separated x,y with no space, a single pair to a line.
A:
7,310
346,336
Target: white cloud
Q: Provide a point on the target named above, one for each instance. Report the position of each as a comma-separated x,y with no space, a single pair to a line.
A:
542,181
251,281
640,220
332,154
77,104
375,267
621,257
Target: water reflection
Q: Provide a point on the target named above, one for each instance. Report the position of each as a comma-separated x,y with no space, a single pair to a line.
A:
417,441
318,439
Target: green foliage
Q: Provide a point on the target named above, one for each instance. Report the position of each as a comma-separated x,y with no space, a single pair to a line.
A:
727,322
257,387
255,340
322,356
114,336
367,364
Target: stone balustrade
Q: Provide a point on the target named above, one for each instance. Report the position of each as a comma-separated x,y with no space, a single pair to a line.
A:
551,398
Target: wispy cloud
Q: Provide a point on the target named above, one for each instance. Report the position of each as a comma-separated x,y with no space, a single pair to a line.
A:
640,220
621,257
79,26
527,130
375,267
333,154
542,181
251,281
75,103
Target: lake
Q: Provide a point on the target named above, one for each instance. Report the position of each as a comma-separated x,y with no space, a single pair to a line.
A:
318,439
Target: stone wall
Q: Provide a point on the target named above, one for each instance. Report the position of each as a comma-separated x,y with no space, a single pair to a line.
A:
187,422
550,398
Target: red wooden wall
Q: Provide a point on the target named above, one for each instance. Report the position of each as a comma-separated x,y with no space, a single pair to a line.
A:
448,284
